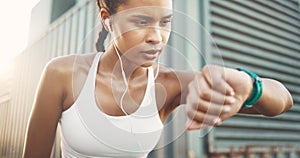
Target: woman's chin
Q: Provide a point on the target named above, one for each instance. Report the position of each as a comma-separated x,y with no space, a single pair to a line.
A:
148,64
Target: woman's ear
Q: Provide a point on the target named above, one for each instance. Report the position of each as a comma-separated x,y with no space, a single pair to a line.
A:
105,14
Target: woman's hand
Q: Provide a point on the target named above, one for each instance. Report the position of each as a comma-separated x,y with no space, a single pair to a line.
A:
215,95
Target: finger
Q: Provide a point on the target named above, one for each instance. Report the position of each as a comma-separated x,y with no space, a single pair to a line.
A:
193,125
211,107
204,118
216,97
221,86
234,109
204,91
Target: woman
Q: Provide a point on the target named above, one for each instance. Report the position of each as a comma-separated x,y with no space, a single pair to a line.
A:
113,104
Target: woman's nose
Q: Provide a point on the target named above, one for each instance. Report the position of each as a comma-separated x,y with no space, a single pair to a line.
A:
154,36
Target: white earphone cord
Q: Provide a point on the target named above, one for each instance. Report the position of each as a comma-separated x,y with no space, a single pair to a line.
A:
124,78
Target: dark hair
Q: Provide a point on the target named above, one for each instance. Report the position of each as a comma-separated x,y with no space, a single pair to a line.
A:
111,6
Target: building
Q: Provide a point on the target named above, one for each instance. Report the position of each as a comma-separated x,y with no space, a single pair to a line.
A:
262,36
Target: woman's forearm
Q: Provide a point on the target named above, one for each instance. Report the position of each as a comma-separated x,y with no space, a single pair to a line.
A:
275,99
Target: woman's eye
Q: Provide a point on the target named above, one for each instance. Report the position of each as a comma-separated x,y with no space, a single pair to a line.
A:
142,23
165,22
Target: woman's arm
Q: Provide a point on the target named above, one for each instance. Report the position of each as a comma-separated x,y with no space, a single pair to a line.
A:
275,99
218,93
46,112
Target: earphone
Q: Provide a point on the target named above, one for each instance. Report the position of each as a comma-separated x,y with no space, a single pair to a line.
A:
107,24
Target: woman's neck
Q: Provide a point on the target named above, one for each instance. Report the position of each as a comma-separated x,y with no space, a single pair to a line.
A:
110,63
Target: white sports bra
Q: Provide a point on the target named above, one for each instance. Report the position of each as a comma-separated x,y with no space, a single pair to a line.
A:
88,132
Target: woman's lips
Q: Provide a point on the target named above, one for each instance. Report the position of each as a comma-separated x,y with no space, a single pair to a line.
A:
150,54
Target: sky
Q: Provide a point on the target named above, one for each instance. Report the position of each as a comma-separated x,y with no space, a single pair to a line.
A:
14,28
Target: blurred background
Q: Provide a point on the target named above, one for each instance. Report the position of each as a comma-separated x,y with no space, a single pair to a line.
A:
260,35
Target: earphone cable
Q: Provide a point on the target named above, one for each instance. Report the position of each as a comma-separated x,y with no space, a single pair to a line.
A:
124,79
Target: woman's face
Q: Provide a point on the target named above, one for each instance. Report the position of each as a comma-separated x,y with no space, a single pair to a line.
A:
141,28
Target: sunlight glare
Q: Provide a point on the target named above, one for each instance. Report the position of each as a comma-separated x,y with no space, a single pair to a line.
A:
14,30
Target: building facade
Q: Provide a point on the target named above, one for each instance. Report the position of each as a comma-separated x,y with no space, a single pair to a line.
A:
262,36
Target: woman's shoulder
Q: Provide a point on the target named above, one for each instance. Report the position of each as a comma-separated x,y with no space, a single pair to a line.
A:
69,63
67,72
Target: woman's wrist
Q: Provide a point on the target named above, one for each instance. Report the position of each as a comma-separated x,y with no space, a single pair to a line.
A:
256,86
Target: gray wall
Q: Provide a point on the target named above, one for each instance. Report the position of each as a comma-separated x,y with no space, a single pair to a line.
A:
262,36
